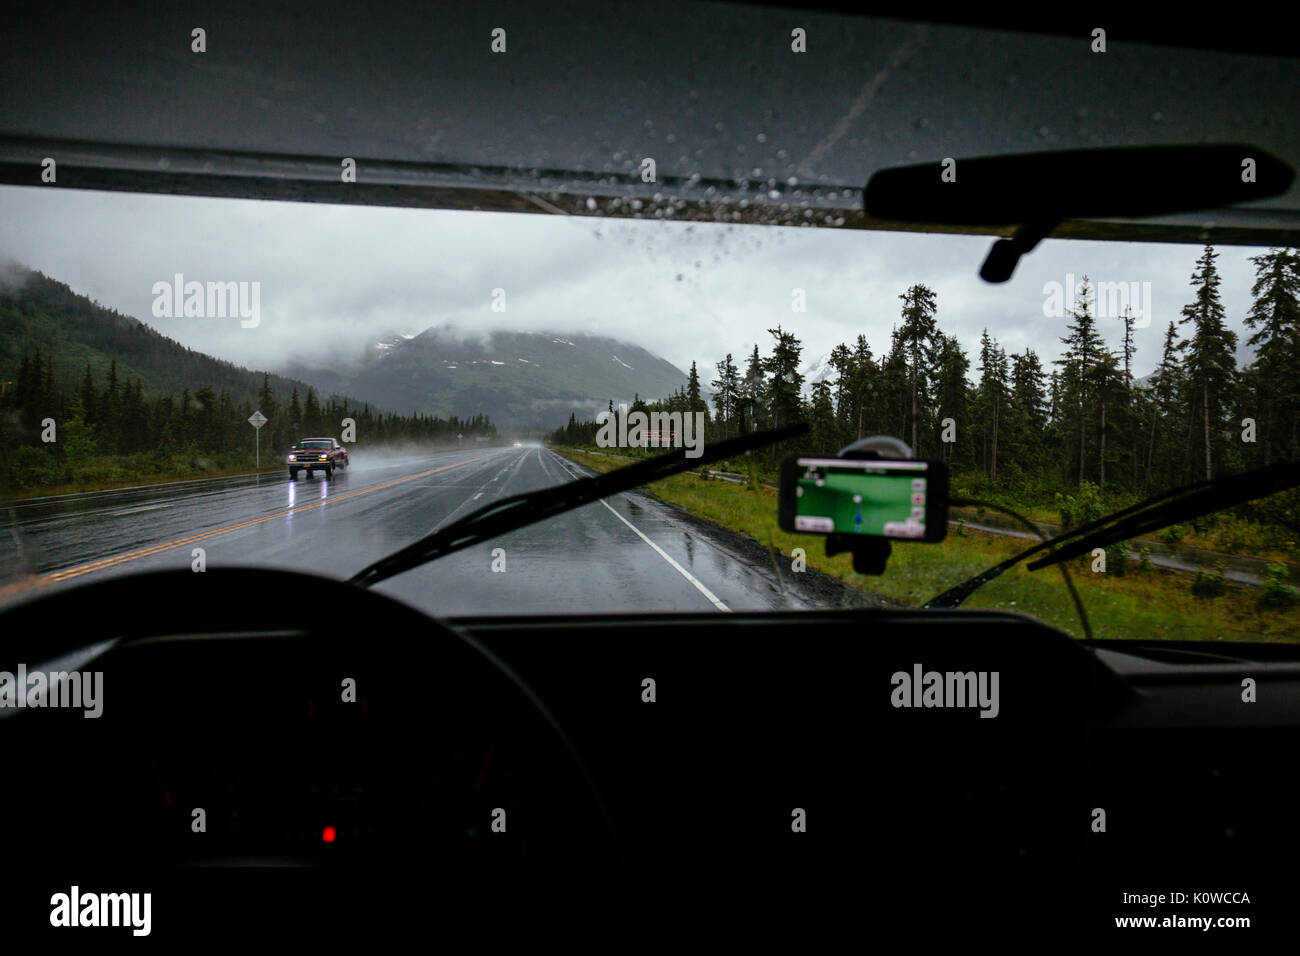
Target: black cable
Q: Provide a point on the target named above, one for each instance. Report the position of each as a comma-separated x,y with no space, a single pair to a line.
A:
1192,501
1170,507
954,596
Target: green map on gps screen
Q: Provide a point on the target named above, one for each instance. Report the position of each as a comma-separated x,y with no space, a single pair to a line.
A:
867,497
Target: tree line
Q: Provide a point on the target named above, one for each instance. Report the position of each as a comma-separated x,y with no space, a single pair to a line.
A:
111,417
1020,420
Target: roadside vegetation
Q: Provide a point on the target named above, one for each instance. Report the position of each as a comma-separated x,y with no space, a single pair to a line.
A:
110,434
1143,602
36,477
1060,439
90,399
1261,529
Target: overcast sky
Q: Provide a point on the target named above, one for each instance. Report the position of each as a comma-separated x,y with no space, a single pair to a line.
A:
334,278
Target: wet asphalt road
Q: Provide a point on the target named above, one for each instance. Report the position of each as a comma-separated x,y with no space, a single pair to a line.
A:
627,553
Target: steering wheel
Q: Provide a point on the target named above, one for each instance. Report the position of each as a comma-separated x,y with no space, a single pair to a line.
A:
311,721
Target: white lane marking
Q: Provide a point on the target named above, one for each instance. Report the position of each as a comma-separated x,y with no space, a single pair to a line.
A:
713,598
456,510
567,466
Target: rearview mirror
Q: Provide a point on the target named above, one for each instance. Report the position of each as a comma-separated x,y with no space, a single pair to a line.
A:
1037,191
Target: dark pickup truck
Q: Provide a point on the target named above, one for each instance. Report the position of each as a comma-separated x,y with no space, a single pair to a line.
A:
316,454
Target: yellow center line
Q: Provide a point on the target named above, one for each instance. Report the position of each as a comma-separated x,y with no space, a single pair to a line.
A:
67,573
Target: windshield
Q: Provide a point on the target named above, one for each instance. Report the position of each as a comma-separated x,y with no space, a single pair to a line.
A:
466,357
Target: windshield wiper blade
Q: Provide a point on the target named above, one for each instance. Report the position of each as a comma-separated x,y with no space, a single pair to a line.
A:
960,592
1159,511
524,509
1196,500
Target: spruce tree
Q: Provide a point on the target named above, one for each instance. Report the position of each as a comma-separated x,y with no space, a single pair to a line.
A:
917,336
1275,317
1210,363
1083,350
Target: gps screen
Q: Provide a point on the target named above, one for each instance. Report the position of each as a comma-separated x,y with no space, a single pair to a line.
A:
877,497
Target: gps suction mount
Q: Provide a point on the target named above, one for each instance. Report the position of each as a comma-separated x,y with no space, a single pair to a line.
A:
870,555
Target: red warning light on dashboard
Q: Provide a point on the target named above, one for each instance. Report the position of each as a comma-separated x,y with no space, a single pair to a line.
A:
328,834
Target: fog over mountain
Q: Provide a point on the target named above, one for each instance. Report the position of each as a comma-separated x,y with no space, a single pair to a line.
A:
336,280
520,379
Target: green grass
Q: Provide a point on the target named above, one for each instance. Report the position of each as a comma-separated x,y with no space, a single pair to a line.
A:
1152,604
1226,532
122,477
38,471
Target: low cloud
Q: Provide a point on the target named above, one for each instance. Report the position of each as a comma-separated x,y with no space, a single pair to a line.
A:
336,279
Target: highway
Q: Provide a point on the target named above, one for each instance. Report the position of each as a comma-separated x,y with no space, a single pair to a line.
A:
626,553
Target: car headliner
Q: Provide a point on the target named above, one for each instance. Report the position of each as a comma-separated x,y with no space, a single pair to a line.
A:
741,128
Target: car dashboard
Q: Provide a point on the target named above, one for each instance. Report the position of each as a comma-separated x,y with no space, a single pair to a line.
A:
724,755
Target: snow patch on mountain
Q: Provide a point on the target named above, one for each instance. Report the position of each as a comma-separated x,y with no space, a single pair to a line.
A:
819,370
393,341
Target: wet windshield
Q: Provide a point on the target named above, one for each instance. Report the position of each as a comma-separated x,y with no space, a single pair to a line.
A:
462,358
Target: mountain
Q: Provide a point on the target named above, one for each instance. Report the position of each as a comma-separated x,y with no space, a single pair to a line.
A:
530,380
819,370
40,313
